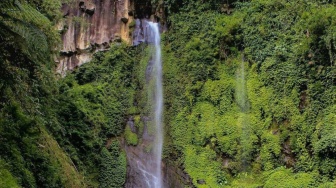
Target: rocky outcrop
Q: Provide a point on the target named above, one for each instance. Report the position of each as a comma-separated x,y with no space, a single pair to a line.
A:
175,177
91,25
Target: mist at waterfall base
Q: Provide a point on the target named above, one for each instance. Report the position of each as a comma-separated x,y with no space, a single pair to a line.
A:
144,165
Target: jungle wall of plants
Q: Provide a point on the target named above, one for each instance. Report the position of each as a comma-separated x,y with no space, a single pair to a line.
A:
250,92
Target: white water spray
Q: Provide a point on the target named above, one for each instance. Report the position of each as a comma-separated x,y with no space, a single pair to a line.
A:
151,169
158,101
145,169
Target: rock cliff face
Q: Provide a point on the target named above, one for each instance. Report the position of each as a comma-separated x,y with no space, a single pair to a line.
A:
91,25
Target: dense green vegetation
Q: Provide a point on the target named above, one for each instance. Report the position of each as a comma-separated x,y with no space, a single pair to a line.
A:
250,94
58,133
93,104
26,87
249,97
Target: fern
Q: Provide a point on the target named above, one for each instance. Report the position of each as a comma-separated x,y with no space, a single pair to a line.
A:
28,28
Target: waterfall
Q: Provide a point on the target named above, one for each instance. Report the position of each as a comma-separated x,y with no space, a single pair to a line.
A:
243,118
157,104
144,160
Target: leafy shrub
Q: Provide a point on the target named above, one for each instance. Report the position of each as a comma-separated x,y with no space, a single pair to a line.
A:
131,138
284,178
112,167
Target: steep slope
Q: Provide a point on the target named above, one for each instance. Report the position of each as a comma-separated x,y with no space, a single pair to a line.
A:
29,156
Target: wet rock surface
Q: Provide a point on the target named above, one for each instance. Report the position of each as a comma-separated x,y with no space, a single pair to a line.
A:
140,156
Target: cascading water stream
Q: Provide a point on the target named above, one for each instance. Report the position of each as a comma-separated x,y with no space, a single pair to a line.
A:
144,160
243,119
158,101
